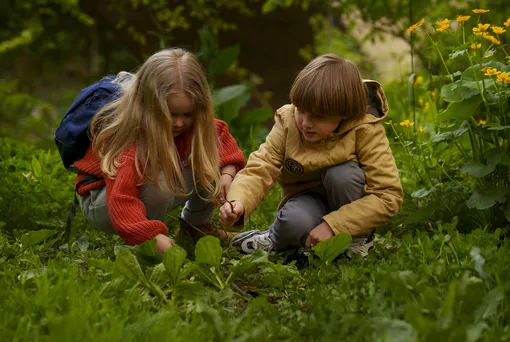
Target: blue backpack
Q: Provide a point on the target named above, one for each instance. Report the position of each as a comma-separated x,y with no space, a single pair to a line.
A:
72,135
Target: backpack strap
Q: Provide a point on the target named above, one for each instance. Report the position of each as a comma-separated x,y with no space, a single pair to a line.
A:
86,180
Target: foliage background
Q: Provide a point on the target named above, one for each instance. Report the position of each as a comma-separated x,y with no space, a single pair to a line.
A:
440,270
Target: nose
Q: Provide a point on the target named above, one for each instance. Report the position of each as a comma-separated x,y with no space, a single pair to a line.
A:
178,122
307,121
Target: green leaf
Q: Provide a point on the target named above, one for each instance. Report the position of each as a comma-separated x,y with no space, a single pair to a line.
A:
329,249
256,116
507,212
457,54
420,193
228,93
208,251
484,199
495,126
128,265
223,60
489,306
36,167
173,259
249,262
476,169
459,90
35,237
461,110
229,110
464,127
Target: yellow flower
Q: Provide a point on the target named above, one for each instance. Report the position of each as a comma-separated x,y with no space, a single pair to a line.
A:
420,101
417,81
484,69
433,94
488,71
481,28
480,11
503,77
406,123
463,18
443,24
390,122
498,29
418,24
475,46
427,106
507,22
420,129
492,39
482,122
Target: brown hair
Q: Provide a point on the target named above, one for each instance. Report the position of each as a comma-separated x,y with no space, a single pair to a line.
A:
330,86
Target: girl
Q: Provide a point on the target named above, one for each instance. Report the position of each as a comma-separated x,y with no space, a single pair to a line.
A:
157,147
329,152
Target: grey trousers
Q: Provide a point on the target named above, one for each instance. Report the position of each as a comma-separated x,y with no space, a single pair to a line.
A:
342,184
157,203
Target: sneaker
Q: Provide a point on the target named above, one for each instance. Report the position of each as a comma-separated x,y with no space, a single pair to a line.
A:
360,245
199,231
253,240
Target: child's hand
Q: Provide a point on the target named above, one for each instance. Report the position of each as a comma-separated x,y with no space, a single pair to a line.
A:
230,212
226,180
163,242
320,233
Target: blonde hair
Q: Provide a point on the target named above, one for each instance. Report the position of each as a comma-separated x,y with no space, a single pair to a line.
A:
330,86
141,117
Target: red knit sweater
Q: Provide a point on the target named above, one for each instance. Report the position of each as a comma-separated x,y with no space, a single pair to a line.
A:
127,212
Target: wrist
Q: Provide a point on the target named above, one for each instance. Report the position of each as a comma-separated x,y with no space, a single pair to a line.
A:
227,174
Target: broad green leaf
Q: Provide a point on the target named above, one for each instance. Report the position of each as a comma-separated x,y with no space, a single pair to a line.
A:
35,237
461,110
36,167
458,91
208,251
249,263
173,259
256,116
452,135
471,87
223,60
329,249
486,198
476,169
228,93
229,110
159,275
128,265
147,248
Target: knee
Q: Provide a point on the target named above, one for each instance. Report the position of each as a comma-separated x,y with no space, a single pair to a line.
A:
348,175
296,221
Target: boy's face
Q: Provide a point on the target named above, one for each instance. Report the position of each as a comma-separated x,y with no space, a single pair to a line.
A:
315,128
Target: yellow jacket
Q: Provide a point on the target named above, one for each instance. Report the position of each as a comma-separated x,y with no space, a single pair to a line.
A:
296,164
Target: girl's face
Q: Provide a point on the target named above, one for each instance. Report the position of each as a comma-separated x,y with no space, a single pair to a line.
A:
315,128
181,107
